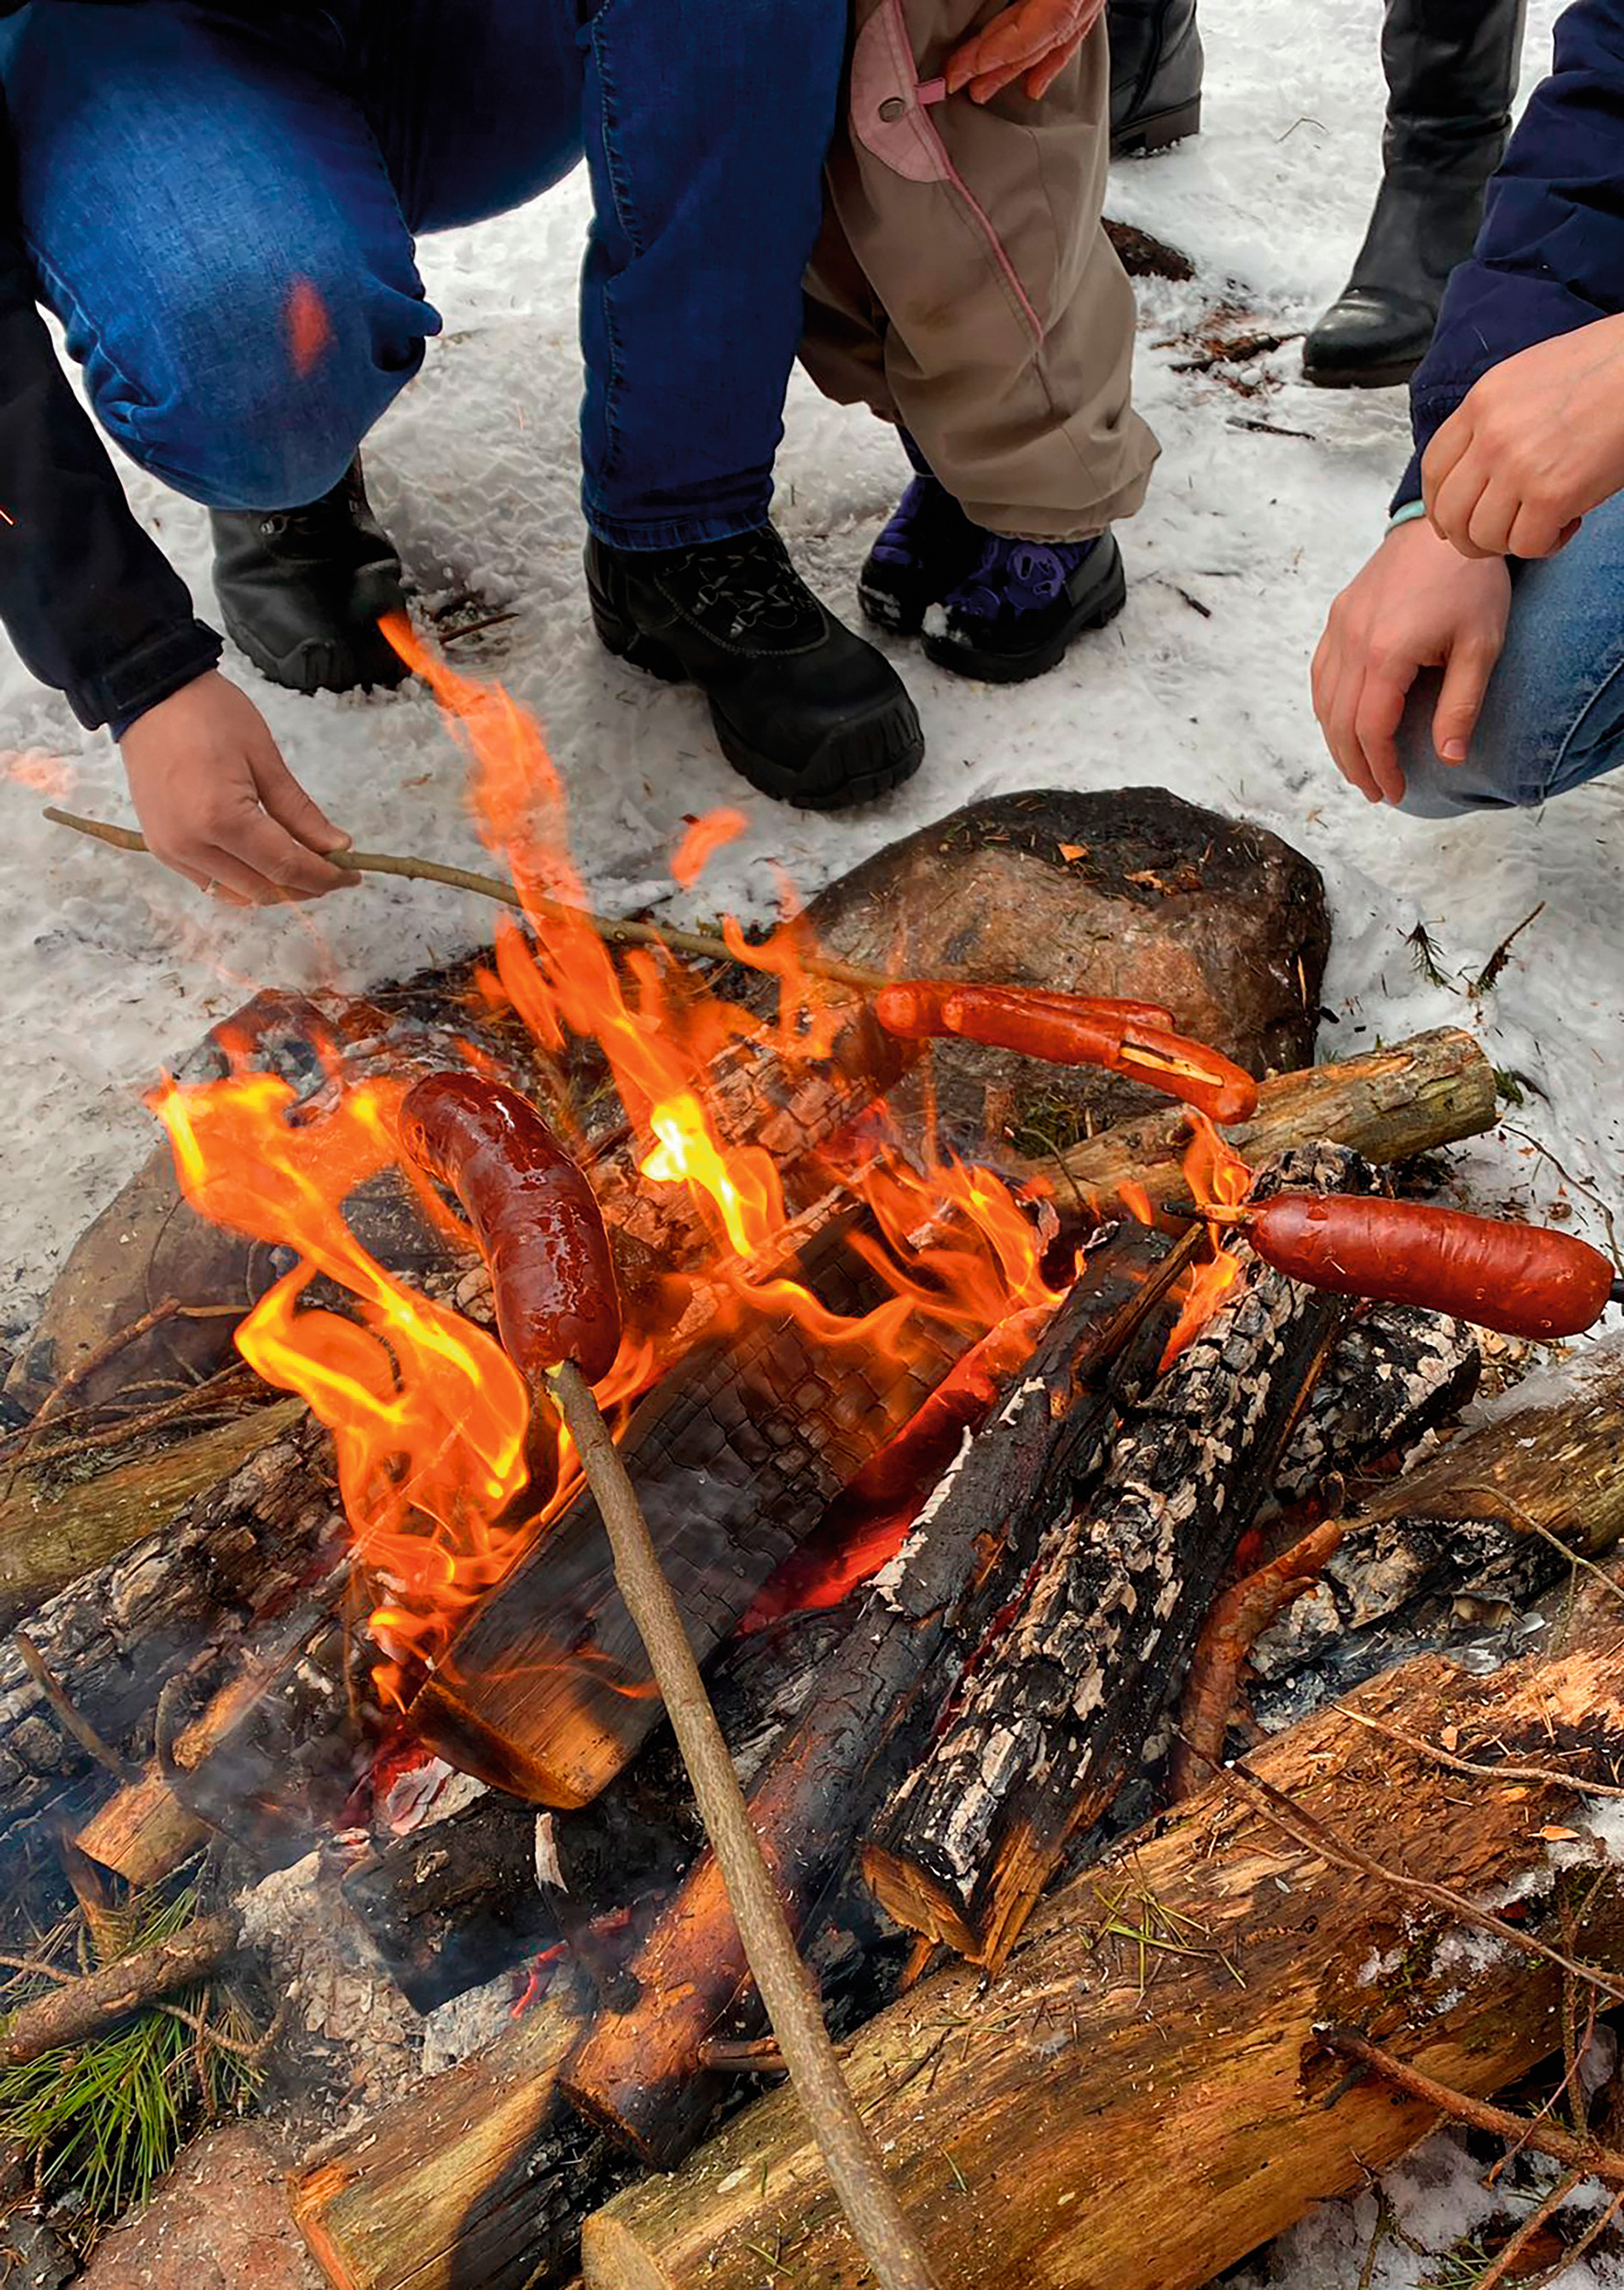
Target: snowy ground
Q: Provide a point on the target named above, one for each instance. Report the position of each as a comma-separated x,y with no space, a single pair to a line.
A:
111,966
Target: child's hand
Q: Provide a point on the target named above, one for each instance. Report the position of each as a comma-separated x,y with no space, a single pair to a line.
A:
218,803
1036,38
1535,447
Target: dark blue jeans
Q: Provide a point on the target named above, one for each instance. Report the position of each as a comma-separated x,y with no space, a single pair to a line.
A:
1553,714
187,173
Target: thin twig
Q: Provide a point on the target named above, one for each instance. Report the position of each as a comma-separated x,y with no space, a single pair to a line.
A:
1307,1830
194,1401
704,945
206,2032
794,2006
1580,1185
1538,1774
71,1720
1507,2261
1582,2248
1586,2155
1489,976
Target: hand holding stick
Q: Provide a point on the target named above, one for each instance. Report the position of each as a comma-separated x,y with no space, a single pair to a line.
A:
488,1144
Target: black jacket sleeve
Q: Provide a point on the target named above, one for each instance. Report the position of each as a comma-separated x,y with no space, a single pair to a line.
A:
86,597
1550,257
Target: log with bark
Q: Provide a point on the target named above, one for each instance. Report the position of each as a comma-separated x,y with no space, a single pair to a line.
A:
1059,1711
1156,2028
1386,1106
640,2073
1396,1375
546,1689
113,1639
80,2009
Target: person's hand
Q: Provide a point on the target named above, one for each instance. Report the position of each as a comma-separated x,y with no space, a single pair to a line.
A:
1034,38
1416,605
218,803
1533,447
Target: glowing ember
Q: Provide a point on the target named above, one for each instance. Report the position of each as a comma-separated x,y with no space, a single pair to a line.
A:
1217,1178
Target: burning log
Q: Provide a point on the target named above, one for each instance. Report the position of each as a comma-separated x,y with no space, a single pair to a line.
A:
1059,1713
546,1691
143,1833
638,2074
1254,1940
1386,1106
113,1639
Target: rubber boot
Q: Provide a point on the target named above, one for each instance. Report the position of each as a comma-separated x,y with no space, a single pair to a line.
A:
804,710
1451,68
302,590
1156,74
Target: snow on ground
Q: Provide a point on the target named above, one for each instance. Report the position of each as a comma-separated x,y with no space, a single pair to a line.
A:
111,966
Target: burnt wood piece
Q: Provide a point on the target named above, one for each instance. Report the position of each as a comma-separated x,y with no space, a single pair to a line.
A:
143,1833
1065,2126
114,1638
1386,1106
1481,1529
639,2072
1397,1373
546,1689
459,1901
1059,1713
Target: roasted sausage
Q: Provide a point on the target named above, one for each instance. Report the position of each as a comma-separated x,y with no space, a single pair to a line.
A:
1073,1030
1524,1280
534,1218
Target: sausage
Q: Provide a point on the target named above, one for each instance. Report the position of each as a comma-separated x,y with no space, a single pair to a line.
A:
1524,1280
535,1218
914,1010
1075,1029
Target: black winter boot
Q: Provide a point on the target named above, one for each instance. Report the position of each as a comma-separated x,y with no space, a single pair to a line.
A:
1451,68
302,590
804,710
1156,74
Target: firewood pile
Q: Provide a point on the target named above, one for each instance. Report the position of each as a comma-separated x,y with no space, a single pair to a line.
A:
1128,1659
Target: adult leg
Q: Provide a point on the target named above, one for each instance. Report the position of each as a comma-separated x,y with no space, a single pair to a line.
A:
1553,714
1451,67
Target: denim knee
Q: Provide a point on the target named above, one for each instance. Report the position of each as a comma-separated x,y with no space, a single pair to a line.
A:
252,393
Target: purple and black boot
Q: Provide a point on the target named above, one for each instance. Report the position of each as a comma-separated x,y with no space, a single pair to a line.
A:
927,547
1014,616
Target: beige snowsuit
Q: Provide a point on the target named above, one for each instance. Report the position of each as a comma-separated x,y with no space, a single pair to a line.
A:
964,283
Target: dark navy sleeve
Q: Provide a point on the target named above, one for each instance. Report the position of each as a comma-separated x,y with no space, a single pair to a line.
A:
87,597
1550,255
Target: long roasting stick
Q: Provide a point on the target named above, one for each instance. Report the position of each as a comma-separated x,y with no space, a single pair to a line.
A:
704,945
850,2154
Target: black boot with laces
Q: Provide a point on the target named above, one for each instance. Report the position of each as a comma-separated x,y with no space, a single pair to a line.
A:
302,590
804,710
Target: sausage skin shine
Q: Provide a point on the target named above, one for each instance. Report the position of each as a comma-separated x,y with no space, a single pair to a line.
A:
1523,1280
534,1216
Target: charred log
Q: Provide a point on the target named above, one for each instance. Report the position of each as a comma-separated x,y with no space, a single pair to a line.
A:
546,1689
1060,1712
114,1638
1395,1376
638,2074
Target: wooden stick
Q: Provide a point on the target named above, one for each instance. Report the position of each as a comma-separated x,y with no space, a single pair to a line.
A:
83,2008
849,2152
704,945
72,1719
1546,2138
1546,1775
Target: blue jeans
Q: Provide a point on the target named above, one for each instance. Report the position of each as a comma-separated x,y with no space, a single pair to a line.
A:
182,167
1553,712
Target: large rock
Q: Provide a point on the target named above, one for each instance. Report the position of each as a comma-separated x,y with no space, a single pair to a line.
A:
1130,891
220,2221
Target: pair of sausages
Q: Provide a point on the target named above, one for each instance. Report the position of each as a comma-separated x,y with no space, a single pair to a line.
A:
1133,1039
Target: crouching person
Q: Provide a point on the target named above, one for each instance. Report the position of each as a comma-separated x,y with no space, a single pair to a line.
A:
965,289
1475,662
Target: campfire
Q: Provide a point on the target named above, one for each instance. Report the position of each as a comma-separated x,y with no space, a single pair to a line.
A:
981,1483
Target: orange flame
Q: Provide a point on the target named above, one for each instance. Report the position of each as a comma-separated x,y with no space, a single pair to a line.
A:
702,839
443,1476
1217,1178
